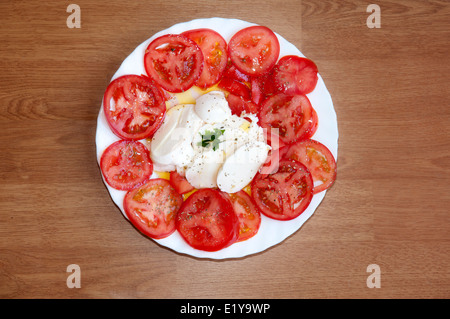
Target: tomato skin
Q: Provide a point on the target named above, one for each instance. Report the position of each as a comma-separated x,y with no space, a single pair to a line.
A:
235,87
174,61
262,87
254,50
232,72
248,214
284,194
257,91
215,55
318,159
273,160
126,164
314,124
238,87
207,221
295,75
238,105
273,140
292,115
138,107
180,183
278,149
152,208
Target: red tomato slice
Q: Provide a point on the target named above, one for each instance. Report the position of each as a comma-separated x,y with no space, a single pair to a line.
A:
262,87
275,154
175,62
273,139
215,55
295,75
314,124
285,194
233,73
273,160
180,183
248,214
152,208
257,90
134,107
319,161
126,164
235,87
207,221
254,50
291,115
238,105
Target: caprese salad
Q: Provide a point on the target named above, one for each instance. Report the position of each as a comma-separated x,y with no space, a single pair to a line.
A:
209,168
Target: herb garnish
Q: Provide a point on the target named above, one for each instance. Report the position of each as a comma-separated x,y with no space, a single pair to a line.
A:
211,138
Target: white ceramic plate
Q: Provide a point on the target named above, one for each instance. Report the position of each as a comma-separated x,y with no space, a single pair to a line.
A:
271,231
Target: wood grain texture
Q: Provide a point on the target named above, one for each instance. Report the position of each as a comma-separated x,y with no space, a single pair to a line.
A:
389,205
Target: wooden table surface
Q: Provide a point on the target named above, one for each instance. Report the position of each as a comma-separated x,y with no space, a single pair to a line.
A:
389,206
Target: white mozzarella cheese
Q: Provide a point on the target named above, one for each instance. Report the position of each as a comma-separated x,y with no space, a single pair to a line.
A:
202,173
239,168
209,145
161,147
188,125
212,107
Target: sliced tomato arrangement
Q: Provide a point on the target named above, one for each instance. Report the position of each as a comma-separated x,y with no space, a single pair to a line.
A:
239,105
126,164
255,79
295,75
286,193
235,87
207,221
291,115
232,72
134,107
248,214
254,50
152,208
318,159
215,55
174,61
180,183
263,86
